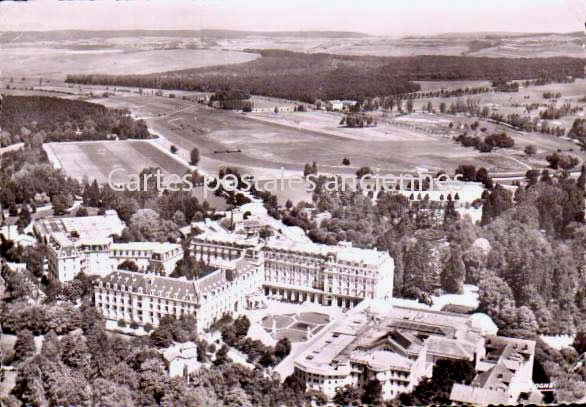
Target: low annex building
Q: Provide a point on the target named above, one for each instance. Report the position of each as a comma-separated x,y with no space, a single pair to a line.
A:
145,298
182,358
159,255
330,275
399,346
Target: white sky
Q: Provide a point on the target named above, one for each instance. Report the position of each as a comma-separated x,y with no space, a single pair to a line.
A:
383,17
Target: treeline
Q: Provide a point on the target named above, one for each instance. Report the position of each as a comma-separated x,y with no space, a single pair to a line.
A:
358,120
486,145
555,113
308,77
449,93
34,119
342,83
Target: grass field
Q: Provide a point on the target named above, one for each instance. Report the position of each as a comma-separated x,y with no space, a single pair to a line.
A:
270,141
96,160
57,63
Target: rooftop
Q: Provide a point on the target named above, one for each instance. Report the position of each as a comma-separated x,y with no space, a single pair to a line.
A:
175,288
366,334
89,228
344,253
158,247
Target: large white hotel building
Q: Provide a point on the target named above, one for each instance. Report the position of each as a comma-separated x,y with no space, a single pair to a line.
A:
145,298
330,275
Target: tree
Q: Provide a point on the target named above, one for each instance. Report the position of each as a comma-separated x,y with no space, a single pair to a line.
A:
194,156
580,340
346,161
81,212
60,205
498,201
267,359
128,265
282,348
348,395
496,299
436,391
24,347
525,319
362,171
295,383
530,149
173,149
221,356
454,272
581,182
372,392
51,347
241,326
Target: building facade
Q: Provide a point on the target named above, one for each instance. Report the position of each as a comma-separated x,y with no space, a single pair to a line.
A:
86,245
145,298
331,275
159,256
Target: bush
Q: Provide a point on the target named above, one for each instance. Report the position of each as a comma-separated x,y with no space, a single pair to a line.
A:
530,150
121,324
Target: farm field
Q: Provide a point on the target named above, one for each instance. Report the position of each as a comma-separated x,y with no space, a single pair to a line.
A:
96,160
57,63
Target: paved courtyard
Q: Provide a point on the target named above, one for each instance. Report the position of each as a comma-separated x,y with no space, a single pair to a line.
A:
298,327
291,321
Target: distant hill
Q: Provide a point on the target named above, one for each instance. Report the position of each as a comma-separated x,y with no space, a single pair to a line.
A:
494,34
62,35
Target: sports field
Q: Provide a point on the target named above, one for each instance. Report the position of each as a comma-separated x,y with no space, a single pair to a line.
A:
96,160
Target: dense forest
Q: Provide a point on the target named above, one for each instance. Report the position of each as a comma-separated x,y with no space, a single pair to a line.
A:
308,77
35,119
